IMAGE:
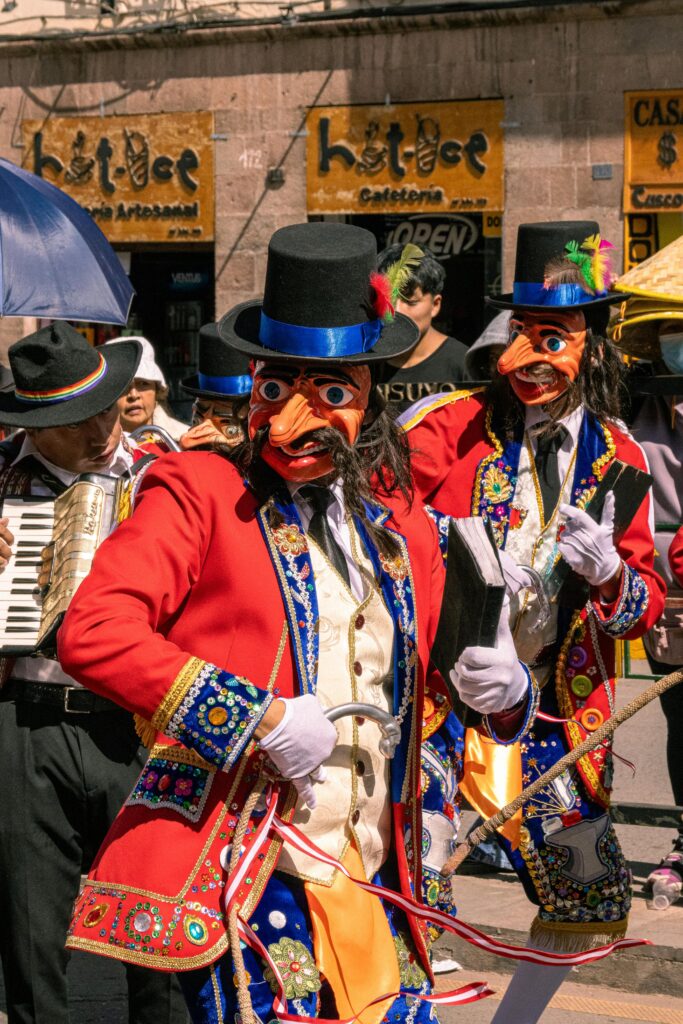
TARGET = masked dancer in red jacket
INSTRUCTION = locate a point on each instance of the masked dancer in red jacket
(527, 454)
(259, 607)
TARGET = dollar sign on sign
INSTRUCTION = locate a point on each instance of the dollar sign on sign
(667, 149)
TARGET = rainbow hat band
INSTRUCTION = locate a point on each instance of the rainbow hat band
(71, 391)
(61, 380)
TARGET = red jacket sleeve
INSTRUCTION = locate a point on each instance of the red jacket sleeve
(676, 557)
(113, 641)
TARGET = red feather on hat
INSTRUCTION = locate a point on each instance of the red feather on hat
(382, 303)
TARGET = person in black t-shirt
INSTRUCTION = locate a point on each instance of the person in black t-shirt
(437, 363)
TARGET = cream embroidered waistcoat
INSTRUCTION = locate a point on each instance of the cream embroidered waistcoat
(356, 664)
(529, 546)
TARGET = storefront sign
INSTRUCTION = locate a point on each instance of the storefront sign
(408, 157)
(142, 177)
(653, 165)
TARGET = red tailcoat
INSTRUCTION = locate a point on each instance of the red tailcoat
(199, 578)
(454, 446)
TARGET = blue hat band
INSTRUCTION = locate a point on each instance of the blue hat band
(238, 385)
(529, 293)
(319, 342)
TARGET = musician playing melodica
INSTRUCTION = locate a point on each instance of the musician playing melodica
(68, 758)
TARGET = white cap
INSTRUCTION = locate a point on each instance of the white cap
(147, 369)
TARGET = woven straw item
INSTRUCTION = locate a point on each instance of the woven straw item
(660, 276)
(656, 288)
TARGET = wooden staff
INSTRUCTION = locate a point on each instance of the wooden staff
(488, 827)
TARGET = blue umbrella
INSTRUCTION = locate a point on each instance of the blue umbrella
(54, 260)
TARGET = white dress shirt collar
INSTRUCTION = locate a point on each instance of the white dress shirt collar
(121, 461)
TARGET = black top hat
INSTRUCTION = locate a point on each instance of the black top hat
(537, 245)
(223, 372)
(60, 379)
(318, 301)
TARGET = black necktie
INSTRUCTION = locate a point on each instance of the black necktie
(320, 499)
(547, 447)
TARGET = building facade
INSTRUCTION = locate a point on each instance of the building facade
(190, 141)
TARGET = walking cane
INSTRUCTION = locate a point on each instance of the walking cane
(491, 825)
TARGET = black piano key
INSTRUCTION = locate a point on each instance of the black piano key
(19, 629)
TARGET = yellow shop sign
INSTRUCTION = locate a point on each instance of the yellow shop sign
(141, 177)
(653, 158)
(417, 157)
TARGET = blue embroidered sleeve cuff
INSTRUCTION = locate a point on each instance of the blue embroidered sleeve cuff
(533, 699)
(216, 714)
(629, 607)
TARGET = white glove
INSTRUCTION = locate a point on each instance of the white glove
(300, 742)
(516, 576)
(490, 679)
(587, 546)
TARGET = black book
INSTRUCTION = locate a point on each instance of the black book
(630, 486)
(472, 599)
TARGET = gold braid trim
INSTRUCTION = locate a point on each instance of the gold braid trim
(495, 454)
(182, 755)
(181, 684)
(609, 454)
(439, 401)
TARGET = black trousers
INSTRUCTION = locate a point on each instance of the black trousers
(63, 778)
(672, 706)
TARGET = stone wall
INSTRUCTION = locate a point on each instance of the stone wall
(561, 71)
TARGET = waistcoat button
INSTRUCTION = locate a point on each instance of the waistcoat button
(360, 768)
(355, 817)
(357, 668)
(360, 621)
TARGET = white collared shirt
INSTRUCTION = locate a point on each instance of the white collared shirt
(45, 670)
(535, 415)
(336, 517)
(122, 460)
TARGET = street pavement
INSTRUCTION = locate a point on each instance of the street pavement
(635, 986)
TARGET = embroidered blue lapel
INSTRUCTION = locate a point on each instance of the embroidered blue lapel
(288, 548)
(496, 482)
(590, 453)
(396, 583)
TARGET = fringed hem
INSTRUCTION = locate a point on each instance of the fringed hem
(574, 938)
(145, 730)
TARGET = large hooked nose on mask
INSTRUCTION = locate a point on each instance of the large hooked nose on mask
(295, 418)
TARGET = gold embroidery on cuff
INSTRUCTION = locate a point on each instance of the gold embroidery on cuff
(181, 684)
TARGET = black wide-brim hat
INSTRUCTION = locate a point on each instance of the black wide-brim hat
(318, 302)
(224, 373)
(60, 379)
(537, 245)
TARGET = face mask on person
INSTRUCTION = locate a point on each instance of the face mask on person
(544, 353)
(672, 352)
(294, 400)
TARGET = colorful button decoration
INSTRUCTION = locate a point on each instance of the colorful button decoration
(592, 719)
(95, 915)
(142, 922)
(581, 686)
(577, 657)
(195, 930)
(217, 716)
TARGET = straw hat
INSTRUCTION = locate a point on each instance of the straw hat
(656, 290)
